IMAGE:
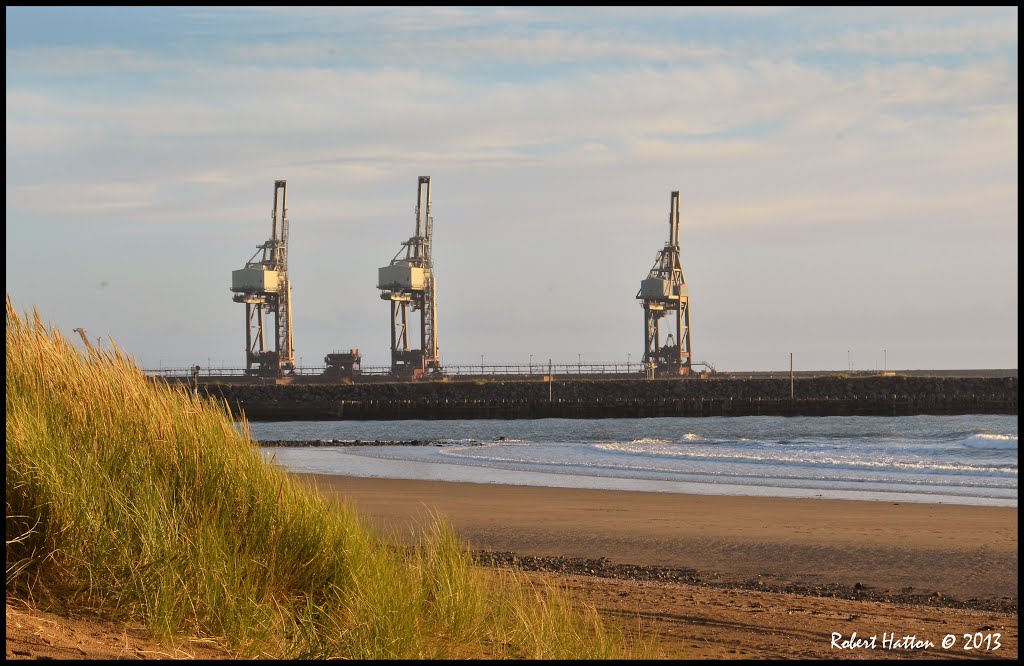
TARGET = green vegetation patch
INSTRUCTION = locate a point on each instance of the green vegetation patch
(145, 502)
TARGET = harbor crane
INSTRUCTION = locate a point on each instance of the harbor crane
(408, 282)
(264, 287)
(663, 292)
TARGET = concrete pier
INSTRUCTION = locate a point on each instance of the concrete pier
(623, 398)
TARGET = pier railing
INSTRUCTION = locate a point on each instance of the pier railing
(482, 370)
(464, 370)
(537, 371)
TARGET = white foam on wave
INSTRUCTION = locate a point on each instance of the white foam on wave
(466, 441)
(647, 443)
(685, 453)
(991, 441)
(646, 440)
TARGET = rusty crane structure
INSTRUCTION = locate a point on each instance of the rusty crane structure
(408, 283)
(264, 287)
(663, 292)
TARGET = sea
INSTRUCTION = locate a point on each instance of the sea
(970, 459)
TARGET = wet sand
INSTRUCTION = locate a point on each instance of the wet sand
(959, 551)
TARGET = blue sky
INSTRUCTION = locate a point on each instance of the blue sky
(848, 176)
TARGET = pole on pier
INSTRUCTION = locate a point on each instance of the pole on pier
(790, 375)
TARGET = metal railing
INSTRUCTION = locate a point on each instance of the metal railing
(567, 370)
(544, 369)
(480, 370)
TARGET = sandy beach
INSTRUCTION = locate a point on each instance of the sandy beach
(728, 577)
(715, 577)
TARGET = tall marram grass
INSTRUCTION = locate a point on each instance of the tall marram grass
(146, 502)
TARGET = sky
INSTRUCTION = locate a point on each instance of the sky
(847, 177)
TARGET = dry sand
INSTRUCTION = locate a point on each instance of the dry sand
(734, 577)
(35, 634)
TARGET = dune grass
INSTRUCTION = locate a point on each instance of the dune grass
(146, 502)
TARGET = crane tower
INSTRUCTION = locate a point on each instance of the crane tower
(408, 282)
(264, 287)
(665, 291)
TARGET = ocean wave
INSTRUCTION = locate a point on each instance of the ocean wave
(468, 441)
(991, 441)
(657, 441)
(651, 440)
(790, 469)
(823, 462)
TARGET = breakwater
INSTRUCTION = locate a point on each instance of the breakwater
(622, 398)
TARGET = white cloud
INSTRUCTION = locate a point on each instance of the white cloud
(361, 124)
(925, 39)
(95, 198)
(78, 61)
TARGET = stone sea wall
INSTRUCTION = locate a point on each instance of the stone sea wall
(623, 398)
